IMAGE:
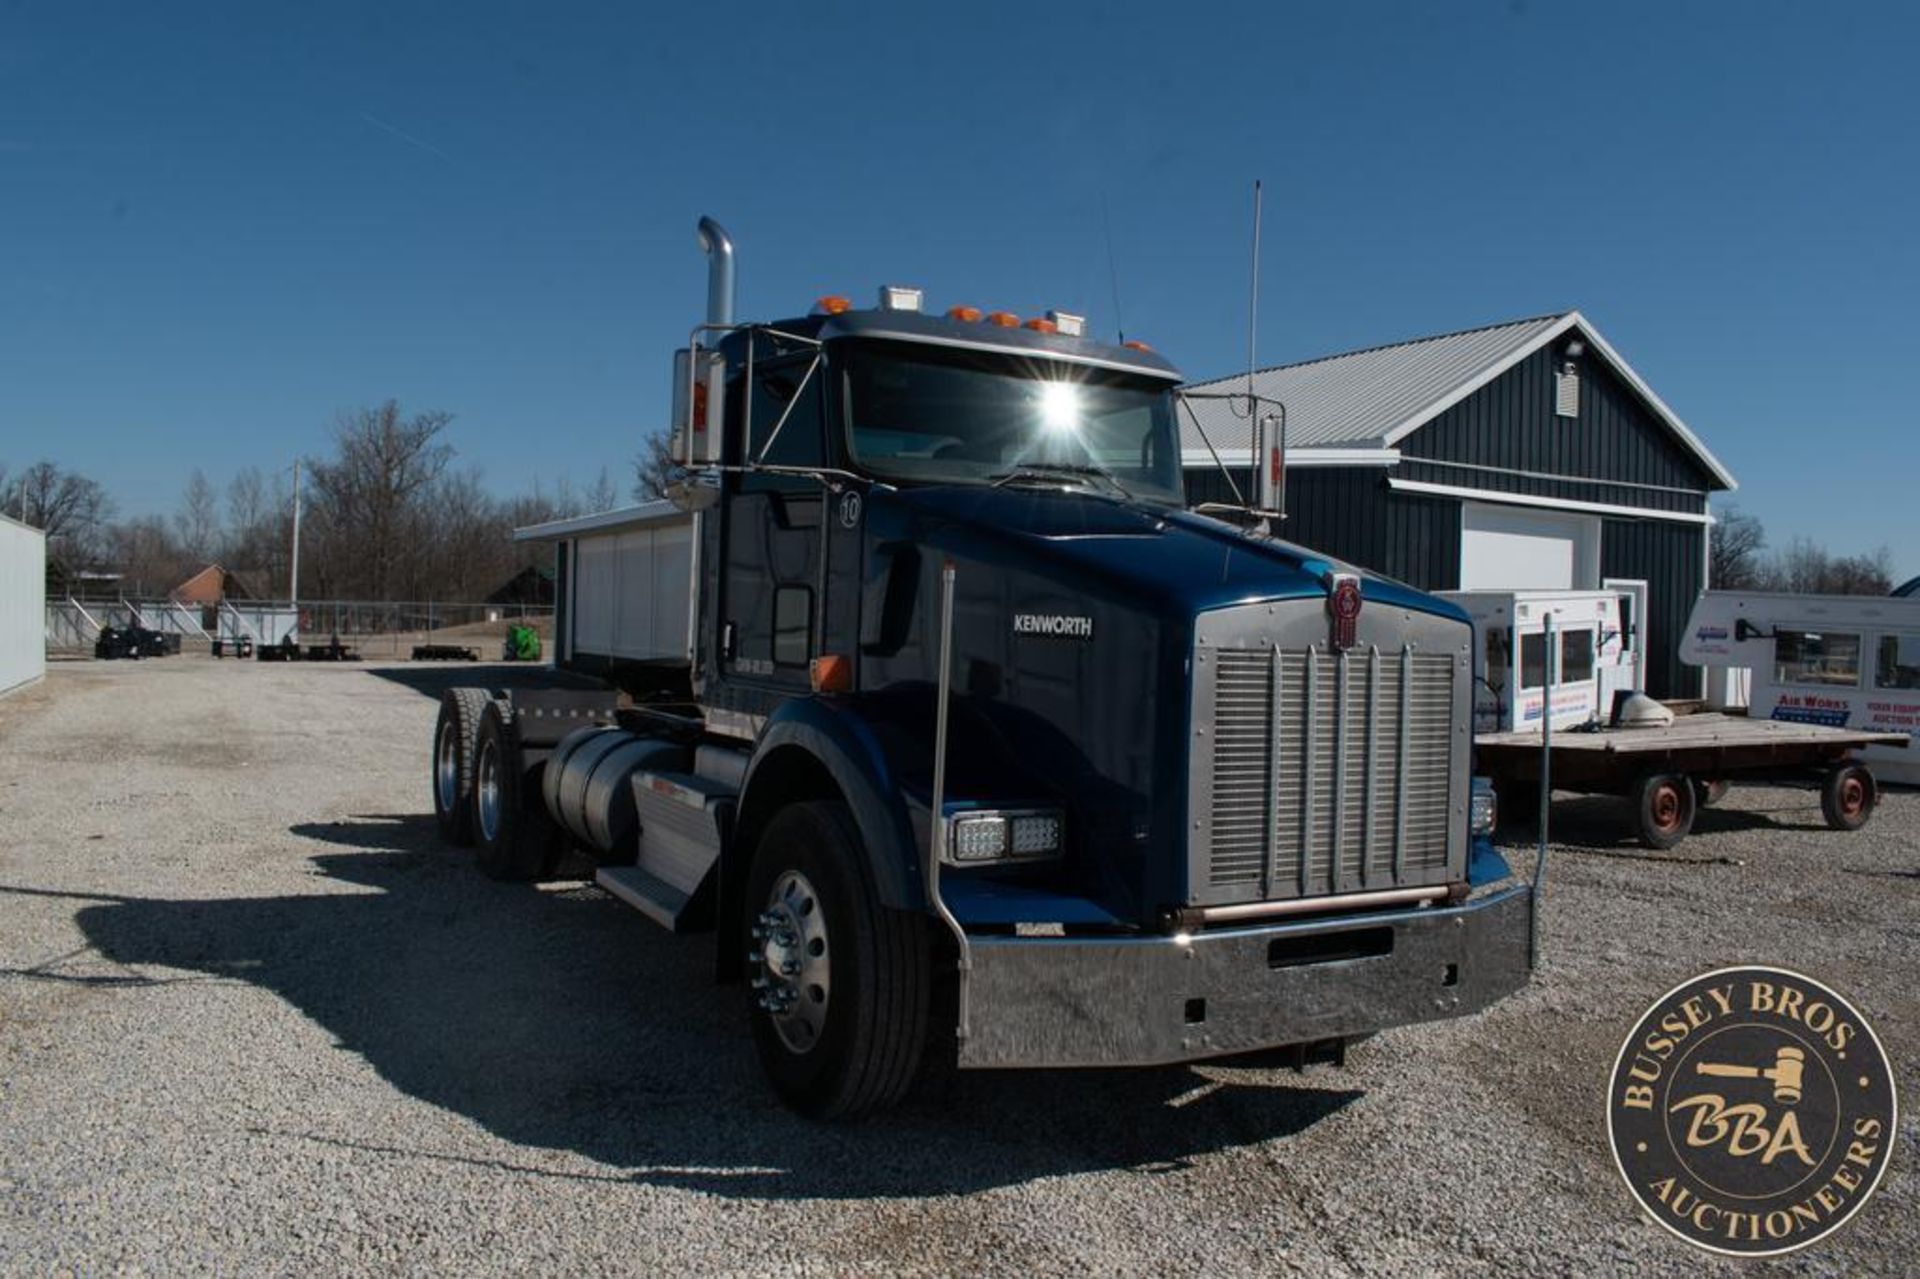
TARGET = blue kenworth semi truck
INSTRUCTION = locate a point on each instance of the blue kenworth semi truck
(970, 742)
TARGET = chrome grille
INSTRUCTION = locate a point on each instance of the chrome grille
(1327, 771)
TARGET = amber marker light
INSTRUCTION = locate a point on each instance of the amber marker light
(1137, 346)
(832, 305)
(831, 674)
(966, 314)
(1004, 319)
(1042, 326)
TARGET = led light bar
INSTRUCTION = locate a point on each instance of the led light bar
(993, 836)
(898, 297)
(1068, 325)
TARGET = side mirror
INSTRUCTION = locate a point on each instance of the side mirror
(699, 407)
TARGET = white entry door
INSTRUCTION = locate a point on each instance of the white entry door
(1509, 548)
(1633, 623)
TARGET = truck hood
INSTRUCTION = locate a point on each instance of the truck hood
(1169, 562)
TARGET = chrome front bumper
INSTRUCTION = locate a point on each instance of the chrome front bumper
(1135, 1001)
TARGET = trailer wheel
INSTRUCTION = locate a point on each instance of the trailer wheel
(1848, 797)
(1708, 793)
(840, 984)
(454, 736)
(514, 838)
(1664, 805)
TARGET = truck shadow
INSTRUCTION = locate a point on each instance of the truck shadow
(556, 1018)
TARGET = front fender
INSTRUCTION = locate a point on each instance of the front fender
(833, 733)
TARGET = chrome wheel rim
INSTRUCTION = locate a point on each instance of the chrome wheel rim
(486, 789)
(795, 979)
(446, 769)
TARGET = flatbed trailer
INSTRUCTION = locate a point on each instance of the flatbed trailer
(1670, 771)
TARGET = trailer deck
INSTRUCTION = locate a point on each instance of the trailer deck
(1670, 770)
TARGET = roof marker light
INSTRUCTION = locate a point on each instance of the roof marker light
(965, 314)
(832, 304)
(1042, 326)
(1068, 324)
(1138, 346)
(1004, 319)
(899, 297)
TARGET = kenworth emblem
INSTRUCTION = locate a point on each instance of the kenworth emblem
(1343, 602)
(1060, 624)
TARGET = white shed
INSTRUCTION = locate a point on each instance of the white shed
(23, 604)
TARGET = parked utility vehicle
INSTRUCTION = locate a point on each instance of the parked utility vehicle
(967, 738)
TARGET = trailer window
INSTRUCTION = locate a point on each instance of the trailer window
(1898, 664)
(1576, 656)
(1533, 660)
(1827, 659)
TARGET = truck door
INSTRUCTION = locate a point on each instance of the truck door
(774, 534)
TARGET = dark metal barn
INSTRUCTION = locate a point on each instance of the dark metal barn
(1526, 455)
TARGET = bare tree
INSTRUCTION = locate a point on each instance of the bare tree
(653, 469)
(70, 508)
(147, 555)
(368, 499)
(602, 497)
(1735, 547)
(198, 519)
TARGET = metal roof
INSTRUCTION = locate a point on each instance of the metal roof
(1372, 399)
(659, 512)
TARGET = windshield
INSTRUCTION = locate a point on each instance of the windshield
(947, 416)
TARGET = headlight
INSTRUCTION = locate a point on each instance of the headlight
(1485, 809)
(991, 836)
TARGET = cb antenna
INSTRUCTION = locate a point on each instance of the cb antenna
(1113, 269)
(1253, 334)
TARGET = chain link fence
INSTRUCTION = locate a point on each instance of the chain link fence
(375, 628)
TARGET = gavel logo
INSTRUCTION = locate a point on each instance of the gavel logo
(1787, 1072)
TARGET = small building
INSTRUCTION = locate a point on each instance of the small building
(23, 604)
(210, 586)
(531, 587)
(1518, 456)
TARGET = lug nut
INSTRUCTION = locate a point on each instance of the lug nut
(789, 967)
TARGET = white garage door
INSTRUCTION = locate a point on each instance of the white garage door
(1505, 548)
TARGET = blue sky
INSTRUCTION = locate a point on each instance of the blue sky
(220, 225)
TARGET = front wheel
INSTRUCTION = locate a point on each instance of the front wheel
(839, 984)
(1848, 796)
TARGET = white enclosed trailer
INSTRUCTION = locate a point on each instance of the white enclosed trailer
(23, 603)
(1840, 661)
(623, 587)
(1593, 656)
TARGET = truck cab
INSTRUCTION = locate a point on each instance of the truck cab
(984, 745)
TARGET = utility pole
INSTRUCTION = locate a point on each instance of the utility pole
(293, 587)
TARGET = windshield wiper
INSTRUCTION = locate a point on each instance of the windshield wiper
(1055, 470)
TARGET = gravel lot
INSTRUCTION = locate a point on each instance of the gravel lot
(254, 1018)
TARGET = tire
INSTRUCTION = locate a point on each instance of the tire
(514, 839)
(1848, 797)
(454, 735)
(851, 1035)
(1708, 793)
(1663, 805)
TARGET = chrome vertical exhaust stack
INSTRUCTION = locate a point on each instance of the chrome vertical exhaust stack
(719, 249)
